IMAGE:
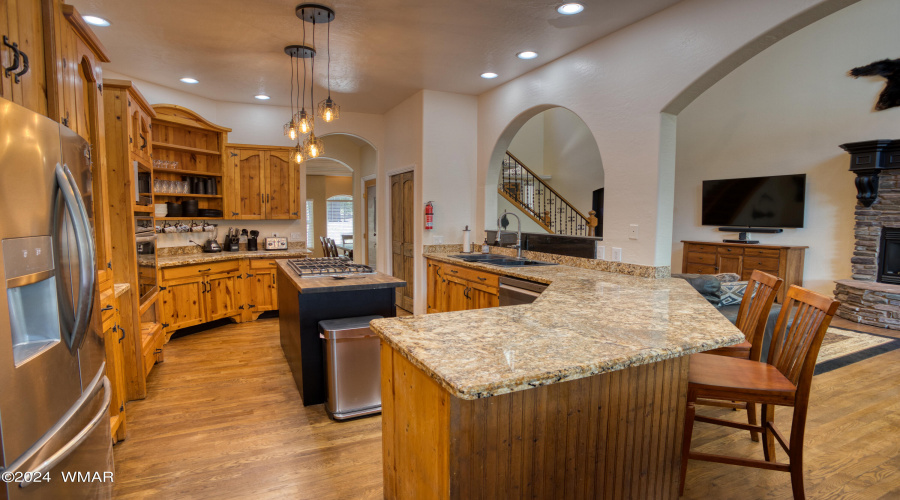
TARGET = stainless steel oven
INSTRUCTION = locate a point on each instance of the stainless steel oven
(145, 242)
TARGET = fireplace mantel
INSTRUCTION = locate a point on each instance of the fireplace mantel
(867, 159)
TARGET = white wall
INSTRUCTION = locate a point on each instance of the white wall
(786, 111)
(571, 158)
(619, 85)
(528, 144)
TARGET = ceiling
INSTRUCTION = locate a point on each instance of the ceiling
(384, 51)
(327, 167)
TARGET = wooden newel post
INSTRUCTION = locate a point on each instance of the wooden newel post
(592, 221)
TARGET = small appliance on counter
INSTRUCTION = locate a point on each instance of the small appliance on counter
(276, 243)
(212, 244)
(252, 240)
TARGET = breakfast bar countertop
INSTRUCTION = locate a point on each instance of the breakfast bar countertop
(585, 323)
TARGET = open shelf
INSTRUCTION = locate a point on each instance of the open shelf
(185, 149)
(185, 172)
(143, 167)
(185, 195)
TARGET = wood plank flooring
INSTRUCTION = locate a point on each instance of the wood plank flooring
(223, 419)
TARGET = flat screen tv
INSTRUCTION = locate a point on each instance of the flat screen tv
(765, 202)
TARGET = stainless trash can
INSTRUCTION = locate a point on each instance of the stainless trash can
(352, 366)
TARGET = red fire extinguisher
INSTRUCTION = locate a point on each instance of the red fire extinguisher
(429, 215)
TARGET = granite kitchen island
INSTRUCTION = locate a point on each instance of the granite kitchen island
(304, 301)
(579, 394)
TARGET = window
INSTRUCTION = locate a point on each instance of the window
(310, 232)
(339, 211)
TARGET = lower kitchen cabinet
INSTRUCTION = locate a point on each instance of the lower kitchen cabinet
(456, 288)
(240, 289)
(115, 372)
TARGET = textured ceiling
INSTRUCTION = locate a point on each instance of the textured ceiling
(383, 51)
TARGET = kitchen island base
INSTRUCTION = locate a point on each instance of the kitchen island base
(613, 435)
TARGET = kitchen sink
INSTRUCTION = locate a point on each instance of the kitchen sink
(501, 260)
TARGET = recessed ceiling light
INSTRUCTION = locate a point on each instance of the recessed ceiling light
(190, 80)
(489, 75)
(95, 21)
(528, 54)
(262, 97)
(567, 9)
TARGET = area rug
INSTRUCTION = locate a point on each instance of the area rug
(842, 347)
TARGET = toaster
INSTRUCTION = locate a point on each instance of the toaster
(276, 243)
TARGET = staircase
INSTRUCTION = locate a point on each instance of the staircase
(524, 189)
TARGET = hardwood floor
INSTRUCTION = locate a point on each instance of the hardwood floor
(223, 419)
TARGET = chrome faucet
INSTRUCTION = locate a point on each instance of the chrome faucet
(500, 230)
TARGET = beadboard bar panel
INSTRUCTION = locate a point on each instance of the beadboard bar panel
(613, 435)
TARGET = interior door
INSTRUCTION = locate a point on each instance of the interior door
(250, 184)
(369, 235)
(278, 185)
(402, 217)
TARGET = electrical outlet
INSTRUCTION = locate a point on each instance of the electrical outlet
(633, 235)
(296, 236)
(438, 239)
(617, 254)
(601, 251)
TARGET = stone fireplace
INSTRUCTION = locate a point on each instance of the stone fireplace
(872, 296)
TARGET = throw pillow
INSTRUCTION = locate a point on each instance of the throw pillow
(732, 293)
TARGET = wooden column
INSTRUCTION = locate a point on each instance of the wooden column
(614, 435)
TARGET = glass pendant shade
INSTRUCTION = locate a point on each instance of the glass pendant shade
(304, 123)
(290, 130)
(297, 154)
(329, 111)
(313, 146)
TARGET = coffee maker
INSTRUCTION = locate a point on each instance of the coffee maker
(252, 240)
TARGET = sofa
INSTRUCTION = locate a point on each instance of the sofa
(710, 287)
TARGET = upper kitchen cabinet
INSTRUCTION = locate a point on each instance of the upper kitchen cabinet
(188, 158)
(23, 76)
(262, 183)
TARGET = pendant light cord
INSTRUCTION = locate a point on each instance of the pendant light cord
(329, 60)
(304, 64)
(312, 76)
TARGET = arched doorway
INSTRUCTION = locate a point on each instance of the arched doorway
(547, 170)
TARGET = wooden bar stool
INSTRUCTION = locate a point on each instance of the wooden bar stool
(784, 380)
(753, 315)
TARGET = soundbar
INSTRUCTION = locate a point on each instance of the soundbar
(744, 233)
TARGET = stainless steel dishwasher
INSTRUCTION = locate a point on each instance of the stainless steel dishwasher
(353, 367)
(515, 291)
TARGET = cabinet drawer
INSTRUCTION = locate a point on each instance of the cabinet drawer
(731, 250)
(226, 266)
(702, 258)
(108, 307)
(768, 264)
(693, 247)
(762, 252)
(263, 263)
(472, 275)
(700, 269)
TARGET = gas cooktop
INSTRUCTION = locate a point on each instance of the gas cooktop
(327, 266)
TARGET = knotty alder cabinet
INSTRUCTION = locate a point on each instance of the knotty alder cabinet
(263, 182)
(786, 262)
(241, 289)
(456, 288)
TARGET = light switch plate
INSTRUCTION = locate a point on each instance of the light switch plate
(617, 254)
(296, 236)
(601, 251)
(438, 239)
(633, 234)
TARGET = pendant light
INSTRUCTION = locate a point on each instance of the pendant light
(297, 154)
(328, 110)
(313, 146)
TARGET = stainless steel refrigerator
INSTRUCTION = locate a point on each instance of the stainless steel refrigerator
(54, 395)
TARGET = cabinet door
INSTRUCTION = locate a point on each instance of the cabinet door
(250, 184)
(480, 297)
(729, 264)
(223, 295)
(436, 292)
(278, 185)
(115, 371)
(182, 303)
(263, 292)
(456, 295)
(21, 22)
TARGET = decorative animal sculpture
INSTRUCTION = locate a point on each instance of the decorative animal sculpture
(890, 70)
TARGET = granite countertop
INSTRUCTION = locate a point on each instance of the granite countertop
(199, 258)
(330, 284)
(585, 323)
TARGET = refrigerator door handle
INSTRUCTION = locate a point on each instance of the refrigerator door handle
(99, 381)
(84, 244)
